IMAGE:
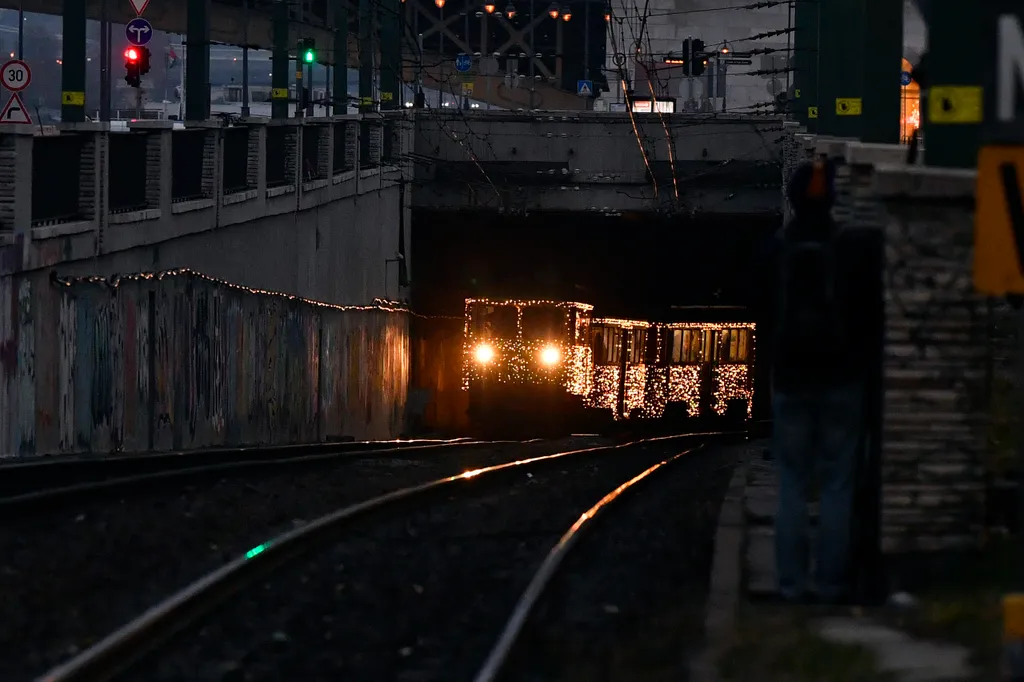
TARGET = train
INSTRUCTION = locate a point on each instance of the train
(557, 360)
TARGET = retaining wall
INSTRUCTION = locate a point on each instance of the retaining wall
(180, 360)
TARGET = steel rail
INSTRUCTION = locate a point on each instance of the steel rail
(124, 647)
(70, 493)
(499, 655)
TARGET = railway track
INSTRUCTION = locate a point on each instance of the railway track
(79, 565)
(45, 483)
(512, 512)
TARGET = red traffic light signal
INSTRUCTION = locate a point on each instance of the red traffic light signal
(131, 54)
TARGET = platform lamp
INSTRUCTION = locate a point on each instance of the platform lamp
(510, 11)
(566, 15)
(439, 4)
(553, 11)
(490, 7)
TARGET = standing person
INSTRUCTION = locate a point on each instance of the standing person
(817, 397)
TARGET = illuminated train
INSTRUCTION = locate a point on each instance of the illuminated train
(554, 358)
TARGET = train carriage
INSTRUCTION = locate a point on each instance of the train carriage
(691, 368)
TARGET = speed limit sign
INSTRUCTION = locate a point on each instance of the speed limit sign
(16, 75)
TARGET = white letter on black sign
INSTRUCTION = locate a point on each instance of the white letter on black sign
(1010, 64)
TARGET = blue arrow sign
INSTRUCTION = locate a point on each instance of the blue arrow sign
(463, 63)
(905, 78)
(138, 31)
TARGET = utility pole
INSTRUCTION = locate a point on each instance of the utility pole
(951, 101)
(882, 48)
(806, 39)
(104, 60)
(245, 65)
(840, 94)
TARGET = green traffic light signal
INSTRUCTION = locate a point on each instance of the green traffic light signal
(309, 56)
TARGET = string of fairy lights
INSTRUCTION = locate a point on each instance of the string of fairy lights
(568, 357)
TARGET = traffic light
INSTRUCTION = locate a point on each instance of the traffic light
(144, 55)
(132, 57)
(700, 60)
(307, 50)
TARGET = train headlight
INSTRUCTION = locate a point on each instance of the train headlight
(484, 353)
(550, 356)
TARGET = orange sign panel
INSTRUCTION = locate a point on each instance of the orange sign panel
(999, 221)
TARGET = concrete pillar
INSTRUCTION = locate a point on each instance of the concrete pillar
(340, 57)
(72, 70)
(882, 47)
(805, 56)
(367, 50)
(841, 67)
(953, 95)
(197, 61)
(390, 56)
(279, 62)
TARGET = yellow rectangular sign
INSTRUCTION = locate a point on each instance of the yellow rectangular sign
(999, 221)
(75, 99)
(796, 93)
(952, 104)
(812, 112)
(849, 106)
(279, 93)
(366, 101)
(386, 96)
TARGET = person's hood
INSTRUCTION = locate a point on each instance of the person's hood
(811, 188)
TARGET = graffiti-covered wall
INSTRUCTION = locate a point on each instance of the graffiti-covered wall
(179, 360)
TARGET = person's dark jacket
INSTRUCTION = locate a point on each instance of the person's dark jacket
(858, 282)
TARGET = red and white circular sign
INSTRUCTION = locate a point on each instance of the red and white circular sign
(16, 75)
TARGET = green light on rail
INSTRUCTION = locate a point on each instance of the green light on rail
(309, 56)
(258, 549)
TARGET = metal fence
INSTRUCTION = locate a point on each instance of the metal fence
(179, 360)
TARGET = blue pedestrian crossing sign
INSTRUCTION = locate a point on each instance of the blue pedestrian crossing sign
(585, 88)
(463, 63)
(905, 78)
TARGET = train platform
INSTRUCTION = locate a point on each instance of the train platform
(751, 634)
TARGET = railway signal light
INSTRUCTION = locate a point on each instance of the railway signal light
(307, 50)
(699, 59)
(131, 65)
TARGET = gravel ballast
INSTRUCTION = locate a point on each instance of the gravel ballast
(418, 597)
(629, 602)
(72, 576)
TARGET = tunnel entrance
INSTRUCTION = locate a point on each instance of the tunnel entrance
(635, 266)
(632, 265)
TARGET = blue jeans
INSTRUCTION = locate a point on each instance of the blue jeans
(816, 429)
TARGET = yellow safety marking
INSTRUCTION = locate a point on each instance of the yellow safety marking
(849, 106)
(279, 93)
(812, 112)
(955, 104)
(796, 93)
(75, 99)
(1013, 616)
(366, 101)
(999, 226)
(298, 75)
(386, 96)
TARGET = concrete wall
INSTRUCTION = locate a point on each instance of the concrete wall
(590, 161)
(183, 361)
(326, 238)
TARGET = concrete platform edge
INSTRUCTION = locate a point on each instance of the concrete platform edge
(726, 578)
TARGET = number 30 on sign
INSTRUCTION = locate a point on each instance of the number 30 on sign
(16, 75)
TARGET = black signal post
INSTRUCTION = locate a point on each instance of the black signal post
(132, 64)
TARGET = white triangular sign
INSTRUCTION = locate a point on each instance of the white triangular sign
(15, 111)
(139, 6)
(584, 89)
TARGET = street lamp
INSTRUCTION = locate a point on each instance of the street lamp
(567, 16)
(439, 3)
(489, 8)
(510, 11)
(553, 11)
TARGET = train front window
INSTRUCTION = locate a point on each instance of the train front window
(543, 323)
(495, 321)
